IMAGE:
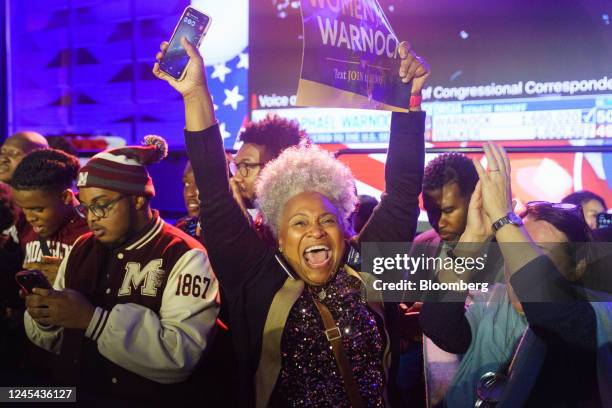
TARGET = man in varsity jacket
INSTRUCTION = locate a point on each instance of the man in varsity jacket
(135, 302)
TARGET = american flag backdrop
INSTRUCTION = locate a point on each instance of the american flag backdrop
(227, 82)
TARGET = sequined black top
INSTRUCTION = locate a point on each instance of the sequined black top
(309, 373)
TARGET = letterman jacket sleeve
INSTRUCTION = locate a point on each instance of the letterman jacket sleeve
(47, 337)
(164, 348)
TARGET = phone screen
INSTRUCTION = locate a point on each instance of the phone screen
(604, 220)
(31, 279)
(193, 26)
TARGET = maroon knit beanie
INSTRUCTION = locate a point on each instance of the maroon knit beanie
(123, 169)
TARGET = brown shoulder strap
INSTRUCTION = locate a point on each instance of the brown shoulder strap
(334, 336)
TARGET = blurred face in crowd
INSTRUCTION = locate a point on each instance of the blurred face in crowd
(190, 192)
(447, 210)
(46, 211)
(11, 154)
(312, 237)
(590, 209)
(114, 222)
(15, 148)
(250, 159)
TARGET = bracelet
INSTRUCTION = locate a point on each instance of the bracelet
(415, 101)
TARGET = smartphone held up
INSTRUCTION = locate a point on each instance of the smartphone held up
(193, 25)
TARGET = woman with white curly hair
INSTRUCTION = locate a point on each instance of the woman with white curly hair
(303, 332)
(302, 177)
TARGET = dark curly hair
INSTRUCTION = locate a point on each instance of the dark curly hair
(451, 167)
(46, 169)
(275, 134)
(7, 208)
(63, 144)
(581, 197)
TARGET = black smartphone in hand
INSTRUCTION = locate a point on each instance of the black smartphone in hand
(31, 279)
(193, 25)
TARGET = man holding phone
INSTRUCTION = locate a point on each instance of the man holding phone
(135, 302)
(42, 188)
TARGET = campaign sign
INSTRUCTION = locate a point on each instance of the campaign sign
(350, 57)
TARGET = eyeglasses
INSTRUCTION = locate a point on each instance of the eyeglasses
(99, 210)
(243, 168)
(559, 206)
(534, 206)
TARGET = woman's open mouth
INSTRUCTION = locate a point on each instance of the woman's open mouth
(317, 256)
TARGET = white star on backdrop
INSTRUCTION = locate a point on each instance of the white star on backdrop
(220, 71)
(224, 133)
(232, 97)
(244, 61)
(228, 88)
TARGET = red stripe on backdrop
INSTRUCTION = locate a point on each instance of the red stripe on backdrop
(365, 169)
(534, 177)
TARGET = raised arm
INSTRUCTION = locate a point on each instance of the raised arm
(395, 218)
(233, 246)
(559, 311)
(497, 203)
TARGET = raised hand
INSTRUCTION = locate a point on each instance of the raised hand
(478, 227)
(495, 183)
(199, 111)
(412, 67)
(194, 80)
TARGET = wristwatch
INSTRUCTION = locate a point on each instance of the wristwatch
(510, 218)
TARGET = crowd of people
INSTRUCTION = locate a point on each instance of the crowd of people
(256, 297)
